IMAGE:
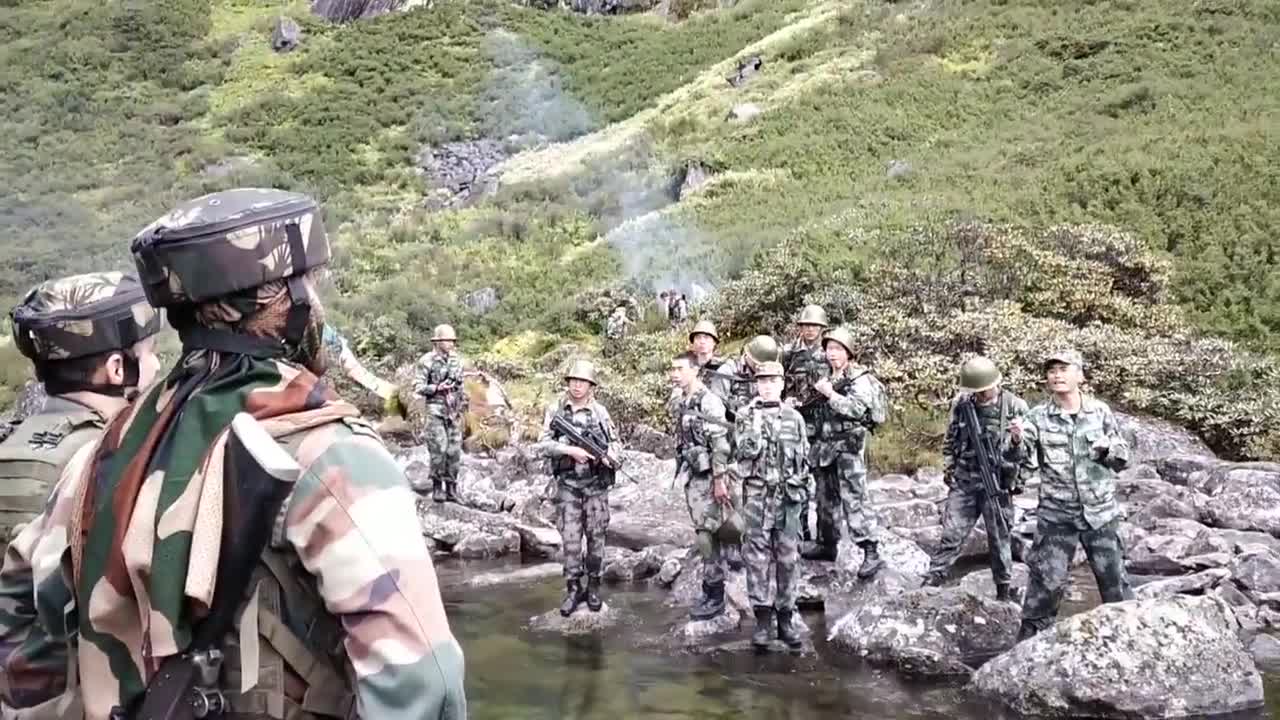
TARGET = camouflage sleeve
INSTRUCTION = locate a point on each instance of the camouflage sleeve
(422, 377)
(1118, 454)
(949, 441)
(856, 403)
(351, 520)
(1014, 452)
(547, 444)
(717, 434)
(746, 438)
(1029, 453)
(26, 680)
(611, 435)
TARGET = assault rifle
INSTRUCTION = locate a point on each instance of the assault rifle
(257, 477)
(986, 452)
(599, 451)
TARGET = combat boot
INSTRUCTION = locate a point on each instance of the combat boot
(819, 551)
(787, 630)
(871, 560)
(711, 603)
(1005, 593)
(451, 492)
(733, 557)
(437, 490)
(594, 601)
(764, 627)
(573, 597)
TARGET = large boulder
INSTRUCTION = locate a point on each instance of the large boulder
(909, 514)
(1156, 658)
(931, 631)
(648, 512)
(980, 583)
(1153, 439)
(286, 35)
(836, 588)
(1195, 584)
(1244, 496)
(348, 10)
(1178, 469)
(1257, 570)
(1171, 541)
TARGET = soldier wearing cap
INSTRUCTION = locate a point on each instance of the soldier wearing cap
(853, 405)
(582, 484)
(438, 378)
(999, 413)
(804, 362)
(772, 454)
(1073, 441)
(91, 339)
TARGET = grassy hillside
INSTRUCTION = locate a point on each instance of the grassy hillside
(1154, 117)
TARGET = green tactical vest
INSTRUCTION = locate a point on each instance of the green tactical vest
(32, 458)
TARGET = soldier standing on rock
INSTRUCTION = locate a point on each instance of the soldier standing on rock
(438, 378)
(1075, 443)
(999, 412)
(772, 451)
(854, 405)
(702, 459)
(582, 484)
(804, 361)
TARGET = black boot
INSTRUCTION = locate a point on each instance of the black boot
(819, 551)
(733, 557)
(935, 578)
(594, 601)
(573, 597)
(437, 490)
(764, 627)
(871, 561)
(787, 631)
(451, 492)
(1005, 593)
(711, 603)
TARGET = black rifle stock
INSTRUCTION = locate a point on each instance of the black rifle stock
(598, 451)
(257, 477)
(986, 453)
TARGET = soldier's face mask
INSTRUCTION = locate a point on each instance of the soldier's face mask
(769, 388)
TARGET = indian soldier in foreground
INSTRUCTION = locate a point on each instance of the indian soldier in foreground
(999, 414)
(702, 459)
(804, 362)
(772, 451)
(438, 378)
(343, 616)
(91, 339)
(853, 405)
(339, 350)
(1074, 442)
(582, 483)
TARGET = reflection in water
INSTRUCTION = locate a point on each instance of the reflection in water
(630, 673)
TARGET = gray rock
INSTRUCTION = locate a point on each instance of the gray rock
(519, 576)
(486, 545)
(1158, 653)
(649, 513)
(1257, 570)
(1206, 561)
(449, 523)
(1178, 468)
(462, 171)
(979, 582)
(348, 10)
(934, 492)
(744, 112)
(1265, 650)
(702, 632)
(582, 622)
(747, 68)
(1237, 539)
(228, 166)
(1195, 584)
(670, 571)
(538, 541)
(909, 514)
(643, 438)
(622, 565)
(898, 169)
(1165, 506)
(482, 301)
(1153, 439)
(695, 175)
(287, 35)
(887, 489)
(1245, 496)
(931, 631)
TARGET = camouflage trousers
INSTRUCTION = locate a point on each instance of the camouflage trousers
(443, 438)
(1050, 566)
(772, 547)
(959, 515)
(707, 516)
(842, 500)
(582, 518)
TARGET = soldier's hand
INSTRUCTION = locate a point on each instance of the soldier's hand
(1101, 447)
(720, 491)
(823, 386)
(1015, 430)
(578, 454)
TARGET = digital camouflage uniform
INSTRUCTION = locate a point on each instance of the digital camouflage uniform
(582, 489)
(438, 378)
(772, 453)
(1077, 504)
(966, 499)
(839, 454)
(802, 364)
(703, 450)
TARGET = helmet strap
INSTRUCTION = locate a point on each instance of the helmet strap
(299, 299)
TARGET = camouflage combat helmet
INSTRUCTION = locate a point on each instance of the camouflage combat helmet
(839, 335)
(444, 331)
(704, 327)
(83, 315)
(763, 348)
(769, 368)
(581, 370)
(978, 373)
(813, 315)
(225, 242)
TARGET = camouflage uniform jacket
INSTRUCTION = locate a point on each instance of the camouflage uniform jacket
(702, 433)
(616, 327)
(802, 363)
(434, 370)
(1074, 482)
(742, 386)
(857, 406)
(772, 445)
(592, 420)
(348, 521)
(716, 374)
(959, 457)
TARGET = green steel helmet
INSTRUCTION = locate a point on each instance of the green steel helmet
(226, 242)
(978, 373)
(444, 331)
(813, 315)
(769, 368)
(839, 335)
(763, 348)
(704, 327)
(581, 370)
(83, 315)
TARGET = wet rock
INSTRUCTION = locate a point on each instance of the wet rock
(1154, 666)
(538, 541)
(582, 622)
(622, 565)
(744, 112)
(287, 35)
(694, 176)
(931, 631)
(482, 544)
(480, 301)
(1245, 496)
(836, 590)
(519, 576)
(461, 171)
(1265, 650)
(898, 169)
(702, 632)
(1195, 584)
(670, 571)
(747, 68)
(909, 514)
(1257, 570)
(979, 582)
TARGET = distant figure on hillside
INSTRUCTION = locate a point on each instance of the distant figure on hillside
(615, 330)
(678, 310)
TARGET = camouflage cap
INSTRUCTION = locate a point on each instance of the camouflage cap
(769, 368)
(225, 242)
(83, 315)
(1064, 355)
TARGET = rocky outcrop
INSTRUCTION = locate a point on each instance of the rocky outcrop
(744, 112)
(461, 171)
(481, 301)
(748, 67)
(349, 10)
(595, 7)
(931, 631)
(1244, 496)
(694, 175)
(649, 513)
(1153, 439)
(582, 622)
(286, 35)
(1155, 658)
